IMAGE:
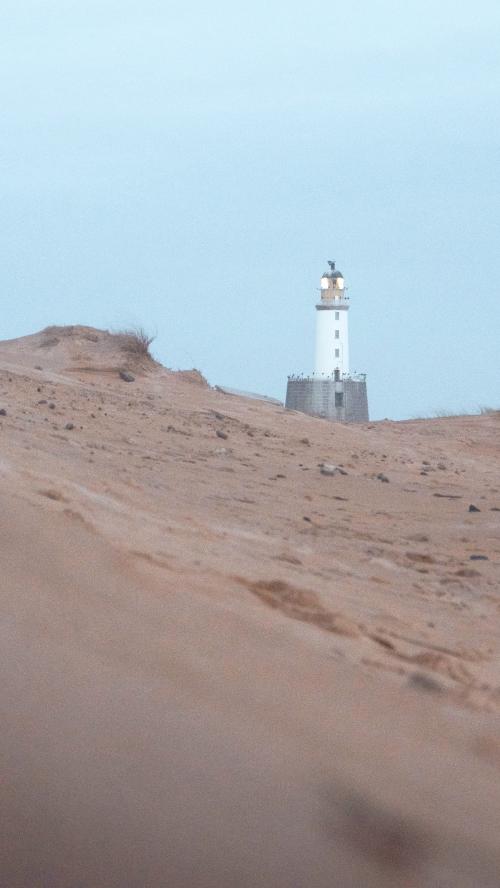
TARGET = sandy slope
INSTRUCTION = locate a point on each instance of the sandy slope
(222, 668)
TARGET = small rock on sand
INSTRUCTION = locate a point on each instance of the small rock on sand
(126, 376)
(424, 683)
(328, 469)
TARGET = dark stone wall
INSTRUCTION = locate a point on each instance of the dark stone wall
(342, 401)
(356, 400)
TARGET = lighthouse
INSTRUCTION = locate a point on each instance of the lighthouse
(332, 392)
(332, 329)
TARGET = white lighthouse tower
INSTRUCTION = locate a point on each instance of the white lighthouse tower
(332, 328)
(332, 391)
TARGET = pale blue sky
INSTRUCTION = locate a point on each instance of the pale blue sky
(191, 167)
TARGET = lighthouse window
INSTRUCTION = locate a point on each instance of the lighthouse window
(339, 399)
(337, 353)
(337, 316)
(337, 334)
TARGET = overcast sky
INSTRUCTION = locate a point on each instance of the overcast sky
(191, 167)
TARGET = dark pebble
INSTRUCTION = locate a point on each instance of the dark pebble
(478, 558)
(126, 376)
(221, 434)
(474, 508)
(3, 412)
(424, 683)
(69, 426)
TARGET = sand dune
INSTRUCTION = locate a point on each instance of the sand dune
(221, 667)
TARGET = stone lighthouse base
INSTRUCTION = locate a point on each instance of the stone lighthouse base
(338, 400)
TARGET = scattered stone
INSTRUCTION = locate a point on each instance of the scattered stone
(307, 519)
(424, 683)
(420, 557)
(221, 434)
(495, 509)
(327, 469)
(291, 559)
(126, 376)
(3, 412)
(448, 495)
(52, 494)
(467, 572)
(425, 462)
(281, 476)
(37, 367)
(43, 401)
(39, 388)
(474, 508)
(69, 426)
(382, 477)
(305, 441)
(52, 406)
(385, 642)
(442, 466)
(219, 416)
(478, 558)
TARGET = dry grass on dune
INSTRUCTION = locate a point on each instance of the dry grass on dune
(135, 341)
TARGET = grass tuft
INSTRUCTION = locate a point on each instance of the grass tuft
(135, 341)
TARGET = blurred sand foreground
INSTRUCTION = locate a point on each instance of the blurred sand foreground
(222, 668)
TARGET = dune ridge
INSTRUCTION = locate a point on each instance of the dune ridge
(224, 667)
